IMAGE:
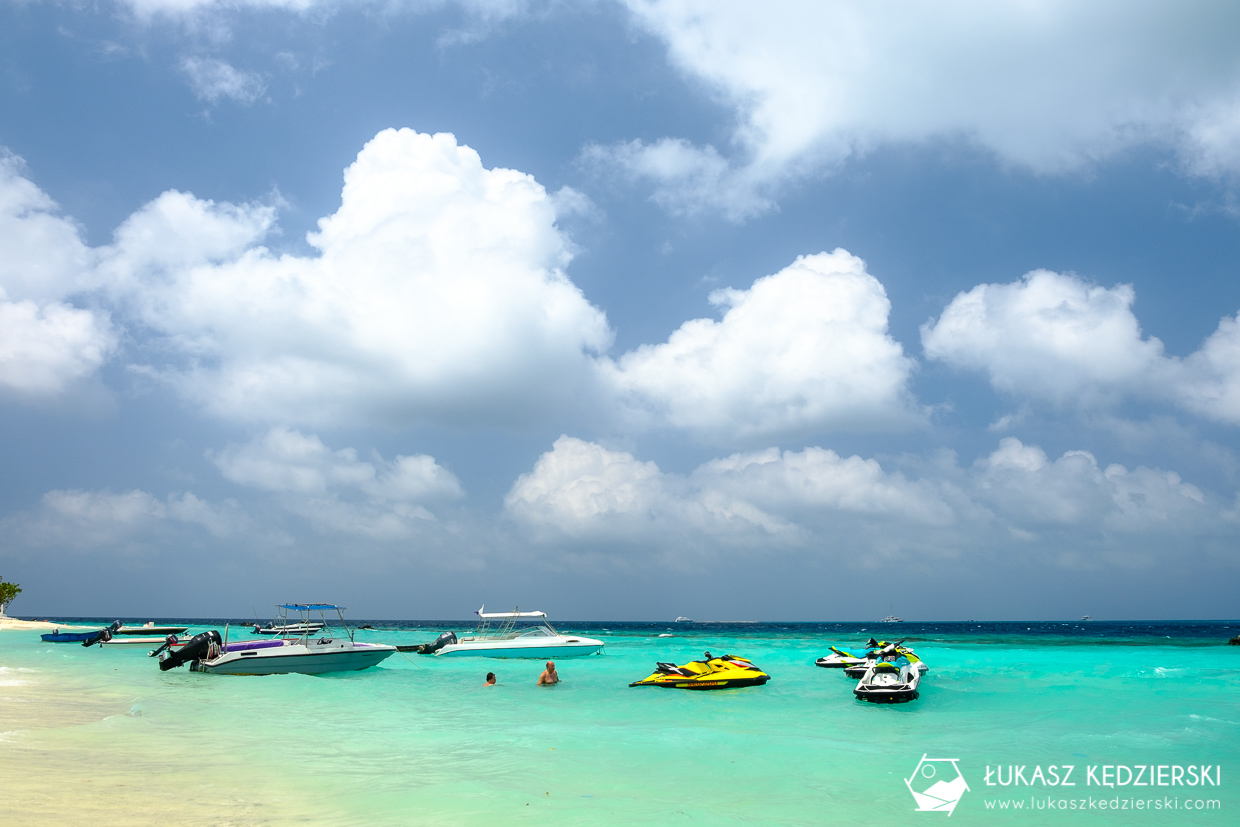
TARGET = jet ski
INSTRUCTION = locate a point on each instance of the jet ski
(840, 658)
(727, 672)
(885, 682)
(889, 652)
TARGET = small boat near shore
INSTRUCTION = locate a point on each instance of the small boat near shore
(84, 638)
(304, 654)
(150, 629)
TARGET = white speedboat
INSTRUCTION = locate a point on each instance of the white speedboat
(328, 651)
(518, 635)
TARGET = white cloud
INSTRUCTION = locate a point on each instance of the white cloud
(212, 79)
(334, 490)
(1020, 482)
(285, 460)
(579, 483)
(43, 350)
(1049, 336)
(1057, 338)
(1050, 85)
(585, 490)
(439, 293)
(1069, 511)
(1210, 381)
(46, 344)
(804, 348)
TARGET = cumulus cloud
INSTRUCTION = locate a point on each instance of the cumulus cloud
(438, 292)
(335, 490)
(1070, 511)
(1209, 383)
(46, 344)
(804, 348)
(213, 79)
(1051, 86)
(43, 350)
(587, 491)
(1048, 335)
(1057, 338)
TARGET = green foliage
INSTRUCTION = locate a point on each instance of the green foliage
(8, 591)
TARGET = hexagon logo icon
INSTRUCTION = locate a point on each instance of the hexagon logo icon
(937, 784)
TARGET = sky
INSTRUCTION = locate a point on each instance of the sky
(620, 309)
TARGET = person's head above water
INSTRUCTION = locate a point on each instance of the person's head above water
(490, 678)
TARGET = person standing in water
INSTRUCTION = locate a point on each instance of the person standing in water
(549, 676)
(490, 679)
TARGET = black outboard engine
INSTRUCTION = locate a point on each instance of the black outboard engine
(443, 640)
(196, 648)
(104, 635)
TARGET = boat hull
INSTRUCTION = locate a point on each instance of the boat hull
(890, 696)
(549, 652)
(303, 661)
(68, 637)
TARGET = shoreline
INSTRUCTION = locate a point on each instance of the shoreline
(13, 624)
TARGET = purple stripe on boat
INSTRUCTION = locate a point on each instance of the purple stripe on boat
(256, 644)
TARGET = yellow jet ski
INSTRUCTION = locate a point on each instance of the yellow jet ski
(727, 672)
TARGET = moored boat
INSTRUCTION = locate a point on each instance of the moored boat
(149, 629)
(536, 639)
(207, 652)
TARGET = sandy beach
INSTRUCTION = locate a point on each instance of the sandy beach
(13, 624)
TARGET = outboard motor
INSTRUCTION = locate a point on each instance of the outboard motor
(195, 648)
(446, 639)
(104, 635)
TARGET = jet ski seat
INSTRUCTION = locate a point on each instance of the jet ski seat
(673, 669)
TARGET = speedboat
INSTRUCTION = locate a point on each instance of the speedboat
(683, 619)
(727, 672)
(304, 654)
(885, 682)
(506, 639)
(839, 659)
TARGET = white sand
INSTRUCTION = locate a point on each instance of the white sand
(11, 623)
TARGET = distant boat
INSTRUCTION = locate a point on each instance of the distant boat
(1086, 617)
(296, 629)
(149, 628)
(683, 619)
(892, 619)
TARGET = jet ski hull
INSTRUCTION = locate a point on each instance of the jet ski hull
(726, 672)
(690, 683)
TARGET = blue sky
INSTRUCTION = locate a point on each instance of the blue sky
(620, 310)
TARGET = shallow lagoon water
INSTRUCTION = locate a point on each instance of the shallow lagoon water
(101, 734)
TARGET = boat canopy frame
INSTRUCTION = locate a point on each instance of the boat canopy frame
(508, 622)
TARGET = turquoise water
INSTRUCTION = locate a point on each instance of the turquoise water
(420, 740)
